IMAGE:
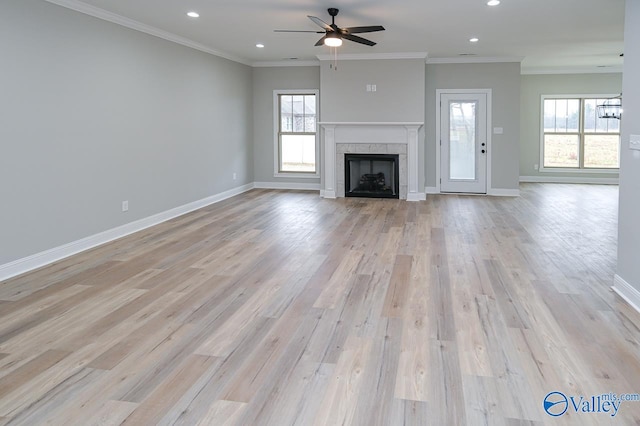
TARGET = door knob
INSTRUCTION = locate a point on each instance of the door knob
(483, 151)
(482, 143)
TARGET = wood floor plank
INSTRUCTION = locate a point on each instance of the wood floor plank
(29, 370)
(398, 287)
(339, 281)
(339, 403)
(412, 379)
(223, 413)
(112, 413)
(283, 308)
(152, 409)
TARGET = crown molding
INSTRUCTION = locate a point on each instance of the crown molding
(285, 63)
(615, 69)
(105, 15)
(474, 59)
(366, 56)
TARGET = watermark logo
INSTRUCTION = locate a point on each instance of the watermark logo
(555, 404)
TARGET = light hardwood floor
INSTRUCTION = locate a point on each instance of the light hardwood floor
(282, 308)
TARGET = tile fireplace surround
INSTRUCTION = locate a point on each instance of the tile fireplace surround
(371, 138)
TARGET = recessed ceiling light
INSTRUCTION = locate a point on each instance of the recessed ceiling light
(474, 39)
(259, 45)
(193, 14)
(493, 2)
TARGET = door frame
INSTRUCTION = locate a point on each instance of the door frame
(439, 93)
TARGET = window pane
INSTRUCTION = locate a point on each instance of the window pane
(309, 123)
(298, 153)
(561, 115)
(310, 113)
(590, 115)
(573, 115)
(602, 124)
(298, 113)
(602, 151)
(614, 125)
(310, 105)
(462, 140)
(561, 151)
(286, 113)
(549, 115)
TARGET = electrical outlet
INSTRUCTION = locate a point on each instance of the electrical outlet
(125, 206)
(535, 167)
(634, 142)
(234, 176)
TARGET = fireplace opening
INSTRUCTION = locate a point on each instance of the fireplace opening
(371, 175)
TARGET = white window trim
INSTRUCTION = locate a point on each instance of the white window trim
(276, 139)
(541, 167)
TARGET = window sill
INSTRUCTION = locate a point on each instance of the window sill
(580, 171)
(297, 175)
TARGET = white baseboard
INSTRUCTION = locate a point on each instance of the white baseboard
(55, 254)
(288, 185)
(569, 179)
(501, 192)
(496, 192)
(329, 194)
(417, 196)
(625, 290)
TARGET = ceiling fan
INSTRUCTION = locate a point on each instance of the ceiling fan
(333, 34)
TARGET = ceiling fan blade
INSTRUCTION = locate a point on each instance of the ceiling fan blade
(358, 39)
(320, 42)
(319, 22)
(298, 31)
(369, 29)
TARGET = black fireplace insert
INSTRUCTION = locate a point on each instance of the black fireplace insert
(371, 175)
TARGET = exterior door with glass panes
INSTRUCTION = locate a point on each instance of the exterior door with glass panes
(463, 150)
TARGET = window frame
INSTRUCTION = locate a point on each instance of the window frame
(277, 133)
(581, 133)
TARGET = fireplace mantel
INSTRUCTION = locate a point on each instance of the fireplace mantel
(371, 133)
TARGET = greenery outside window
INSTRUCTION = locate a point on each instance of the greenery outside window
(573, 136)
(296, 138)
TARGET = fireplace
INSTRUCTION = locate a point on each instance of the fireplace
(339, 138)
(371, 175)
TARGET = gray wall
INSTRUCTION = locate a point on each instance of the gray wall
(533, 87)
(94, 114)
(629, 225)
(504, 80)
(265, 81)
(399, 95)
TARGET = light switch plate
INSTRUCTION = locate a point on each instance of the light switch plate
(498, 130)
(634, 142)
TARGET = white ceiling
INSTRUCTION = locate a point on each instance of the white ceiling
(548, 34)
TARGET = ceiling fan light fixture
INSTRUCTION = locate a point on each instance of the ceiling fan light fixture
(332, 40)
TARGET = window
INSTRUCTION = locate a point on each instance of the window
(296, 114)
(575, 138)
